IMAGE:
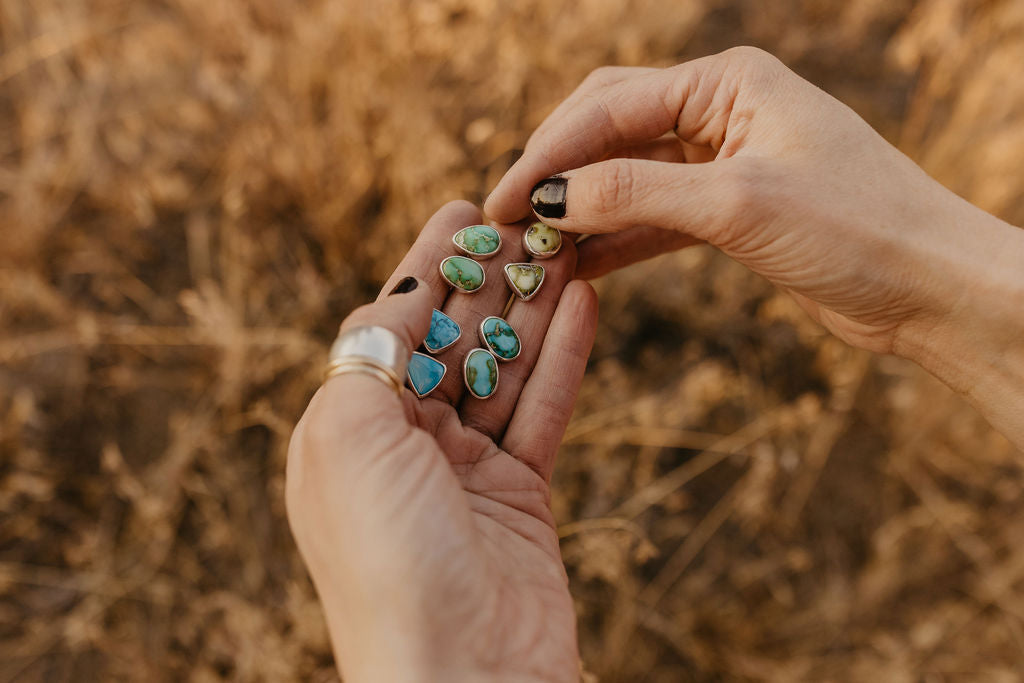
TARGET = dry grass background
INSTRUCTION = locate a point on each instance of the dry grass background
(186, 189)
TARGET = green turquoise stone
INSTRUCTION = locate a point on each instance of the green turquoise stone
(478, 240)
(481, 373)
(424, 373)
(463, 273)
(443, 332)
(524, 279)
(500, 337)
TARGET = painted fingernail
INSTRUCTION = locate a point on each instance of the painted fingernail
(548, 197)
(406, 285)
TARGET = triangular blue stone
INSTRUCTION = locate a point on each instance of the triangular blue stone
(424, 373)
(443, 332)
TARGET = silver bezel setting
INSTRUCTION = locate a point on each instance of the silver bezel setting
(465, 376)
(515, 290)
(449, 344)
(472, 254)
(541, 254)
(483, 277)
(412, 385)
(487, 347)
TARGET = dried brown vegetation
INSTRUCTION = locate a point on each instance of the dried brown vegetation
(186, 192)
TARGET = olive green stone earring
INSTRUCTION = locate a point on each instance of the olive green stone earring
(462, 273)
(524, 279)
(541, 240)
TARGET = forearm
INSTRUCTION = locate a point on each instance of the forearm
(978, 347)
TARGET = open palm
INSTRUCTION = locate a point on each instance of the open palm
(425, 523)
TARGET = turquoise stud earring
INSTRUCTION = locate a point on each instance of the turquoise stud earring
(424, 373)
(480, 372)
(443, 332)
(462, 273)
(478, 241)
(498, 336)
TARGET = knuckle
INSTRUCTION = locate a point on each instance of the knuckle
(614, 187)
(746, 187)
(371, 315)
(600, 76)
(359, 316)
(752, 56)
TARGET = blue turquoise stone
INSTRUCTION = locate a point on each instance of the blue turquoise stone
(500, 337)
(424, 373)
(478, 240)
(481, 373)
(443, 332)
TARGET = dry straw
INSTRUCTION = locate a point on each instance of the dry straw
(186, 193)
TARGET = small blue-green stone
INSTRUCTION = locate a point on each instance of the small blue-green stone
(481, 373)
(480, 240)
(424, 373)
(500, 336)
(443, 332)
(463, 273)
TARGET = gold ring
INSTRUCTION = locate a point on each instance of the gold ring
(369, 350)
(364, 367)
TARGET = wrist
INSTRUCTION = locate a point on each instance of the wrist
(976, 346)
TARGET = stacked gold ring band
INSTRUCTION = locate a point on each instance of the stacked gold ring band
(342, 367)
(369, 350)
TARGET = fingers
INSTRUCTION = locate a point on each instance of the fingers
(602, 254)
(697, 101)
(469, 310)
(545, 405)
(625, 113)
(667, 148)
(431, 247)
(598, 79)
(530, 319)
(362, 402)
(706, 201)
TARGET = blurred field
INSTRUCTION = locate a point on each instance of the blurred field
(185, 189)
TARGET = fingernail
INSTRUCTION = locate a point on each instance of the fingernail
(548, 197)
(406, 285)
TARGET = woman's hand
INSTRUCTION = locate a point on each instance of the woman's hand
(425, 523)
(738, 151)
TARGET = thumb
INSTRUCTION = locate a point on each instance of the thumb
(356, 441)
(708, 201)
(356, 403)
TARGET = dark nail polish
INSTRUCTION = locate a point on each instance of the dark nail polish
(548, 197)
(406, 285)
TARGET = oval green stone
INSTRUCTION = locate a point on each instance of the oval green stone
(481, 372)
(500, 337)
(481, 240)
(463, 273)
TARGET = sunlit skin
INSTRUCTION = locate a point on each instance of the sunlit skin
(738, 151)
(425, 524)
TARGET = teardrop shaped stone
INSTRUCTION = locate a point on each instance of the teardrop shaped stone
(424, 373)
(443, 332)
(478, 241)
(524, 278)
(541, 240)
(500, 337)
(481, 373)
(462, 273)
